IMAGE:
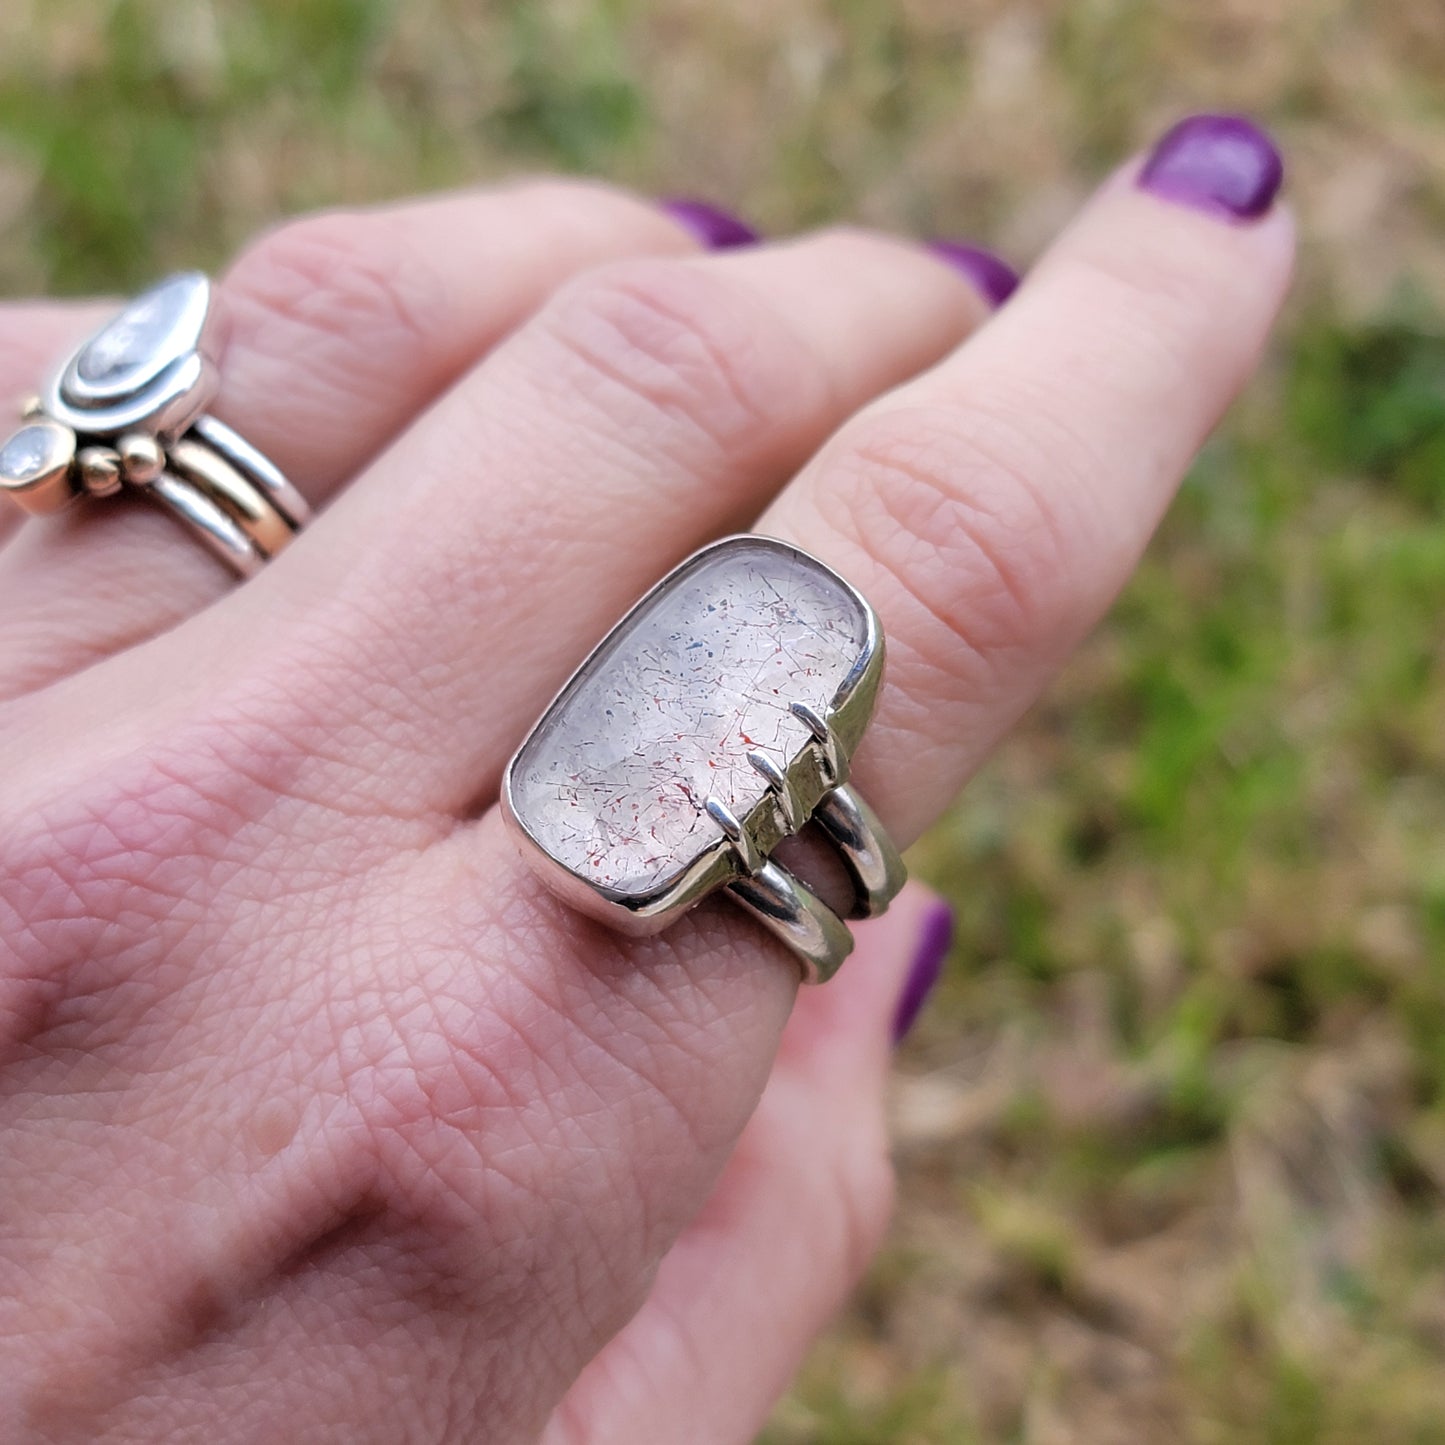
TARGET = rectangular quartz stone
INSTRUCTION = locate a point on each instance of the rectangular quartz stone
(614, 780)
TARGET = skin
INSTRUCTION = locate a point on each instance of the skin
(319, 1118)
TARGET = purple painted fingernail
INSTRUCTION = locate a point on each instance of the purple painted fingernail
(1223, 164)
(718, 230)
(989, 274)
(935, 938)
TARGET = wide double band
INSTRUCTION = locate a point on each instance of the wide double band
(715, 721)
(127, 412)
(788, 908)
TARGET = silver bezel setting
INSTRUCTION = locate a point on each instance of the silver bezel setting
(163, 392)
(817, 769)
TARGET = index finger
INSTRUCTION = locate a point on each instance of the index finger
(992, 509)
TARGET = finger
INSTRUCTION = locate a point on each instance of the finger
(344, 327)
(993, 509)
(1124, 347)
(794, 1220)
(649, 407)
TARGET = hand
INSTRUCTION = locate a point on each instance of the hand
(319, 1119)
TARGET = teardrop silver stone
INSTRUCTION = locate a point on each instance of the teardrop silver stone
(154, 330)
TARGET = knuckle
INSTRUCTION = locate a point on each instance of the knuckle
(953, 508)
(563, 192)
(842, 246)
(103, 841)
(474, 1117)
(89, 882)
(448, 1065)
(1158, 284)
(347, 276)
(680, 353)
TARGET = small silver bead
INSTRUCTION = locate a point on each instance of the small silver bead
(99, 469)
(141, 458)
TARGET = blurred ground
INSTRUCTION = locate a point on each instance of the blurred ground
(1173, 1138)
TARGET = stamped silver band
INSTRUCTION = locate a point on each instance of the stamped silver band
(715, 720)
(127, 411)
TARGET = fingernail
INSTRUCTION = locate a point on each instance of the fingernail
(989, 274)
(935, 938)
(1223, 164)
(718, 230)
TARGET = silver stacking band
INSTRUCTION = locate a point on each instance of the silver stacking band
(232, 497)
(127, 412)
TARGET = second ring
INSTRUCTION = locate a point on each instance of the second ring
(127, 411)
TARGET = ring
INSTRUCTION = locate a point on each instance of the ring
(714, 721)
(127, 412)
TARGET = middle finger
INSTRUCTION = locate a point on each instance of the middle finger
(650, 406)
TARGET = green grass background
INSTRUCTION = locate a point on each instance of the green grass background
(1172, 1139)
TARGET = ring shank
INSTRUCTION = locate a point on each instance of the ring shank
(797, 916)
(873, 863)
(230, 497)
(262, 472)
(209, 523)
(792, 912)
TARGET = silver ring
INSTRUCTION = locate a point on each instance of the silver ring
(127, 411)
(715, 720)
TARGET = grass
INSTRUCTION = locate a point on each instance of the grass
(1173, 1137)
